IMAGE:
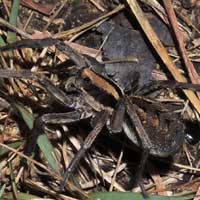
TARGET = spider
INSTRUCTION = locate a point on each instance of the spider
(148, 124)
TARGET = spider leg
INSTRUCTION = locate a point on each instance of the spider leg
(117, 118)
(29, 43)
(141, 132)
(79, 60)
(86, 145)
(52, 118)
(54, 91)
(145, 141)
(164, 84)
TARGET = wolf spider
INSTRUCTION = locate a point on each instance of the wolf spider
(148, 124)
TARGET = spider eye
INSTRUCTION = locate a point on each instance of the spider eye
(189, 138)
(192, 138)
(192, 133)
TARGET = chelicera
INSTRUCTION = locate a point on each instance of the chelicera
(133, 115)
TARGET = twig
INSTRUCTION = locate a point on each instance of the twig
(13, 28)
(53, 174)
(116, 171)
(194, 77)
(186, 167)
(31, 160)
(97, 5)
(89, 24)
(54, 15)
(161, 51)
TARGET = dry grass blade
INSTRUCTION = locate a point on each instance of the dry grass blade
(116, 170)
(53, 82)
(54, 15)
(54, 175)
(161, 51)
(46, 9)
(13, 28)
(89, 24)
(13, 145)
(194, 77)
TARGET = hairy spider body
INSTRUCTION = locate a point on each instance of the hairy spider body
(164, 138)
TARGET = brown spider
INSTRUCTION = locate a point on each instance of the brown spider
(148, 124)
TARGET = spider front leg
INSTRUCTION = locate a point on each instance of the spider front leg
(61, 118)
(103, 117)
(126, 109)
(143, 139)
(118, 121)
(142, 135)
(52, 118)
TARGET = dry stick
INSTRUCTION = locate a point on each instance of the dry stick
(54, 15)
(186, 167)
(46, 9)
(161, 51)
(187, 20)
(68, 32)
(89, 24)
(97, 5)
(28, 20)
(53, 174)
(44, 190)
(81, 32)
(6, 7)
(194, 77)
(158, 9)
(15, 29)
(116, 171)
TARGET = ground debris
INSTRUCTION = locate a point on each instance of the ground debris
(112, 95)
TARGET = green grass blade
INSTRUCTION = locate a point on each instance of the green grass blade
(12, 36)
(27, 116)
(135, 196)
(12, 178)
(13, 145)
(2, 42)
(2, 190)
(42, 141)
(47, 149)
(20, 196)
